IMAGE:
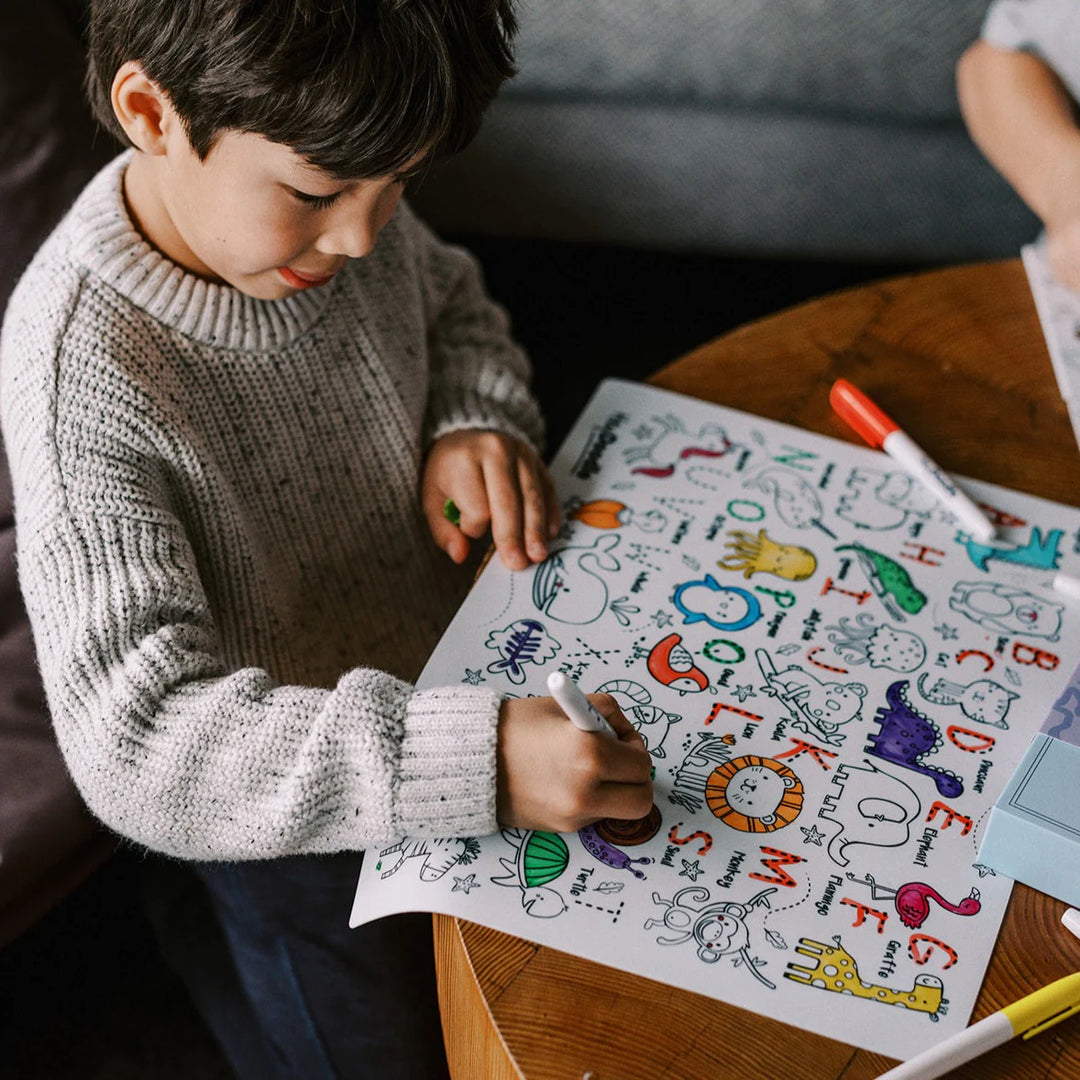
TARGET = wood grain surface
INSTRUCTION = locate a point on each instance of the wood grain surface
(957, 356)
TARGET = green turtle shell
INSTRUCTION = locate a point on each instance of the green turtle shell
(545, 857)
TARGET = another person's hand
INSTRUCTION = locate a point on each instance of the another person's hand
(554, 776)
(496, 482)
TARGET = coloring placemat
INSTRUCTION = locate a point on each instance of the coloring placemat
(834, 683)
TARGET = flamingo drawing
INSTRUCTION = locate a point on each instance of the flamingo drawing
(912, 900)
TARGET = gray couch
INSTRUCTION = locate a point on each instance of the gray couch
(807, 128)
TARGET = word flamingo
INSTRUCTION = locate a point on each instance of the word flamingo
(912, 901)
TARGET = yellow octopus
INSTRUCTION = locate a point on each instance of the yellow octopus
(758, 554)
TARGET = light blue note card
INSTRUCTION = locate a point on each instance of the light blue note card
(1033, 834)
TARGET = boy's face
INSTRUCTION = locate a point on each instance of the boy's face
(255, 214)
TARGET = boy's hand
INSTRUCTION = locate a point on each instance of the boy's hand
(496, 482)
(554, 776)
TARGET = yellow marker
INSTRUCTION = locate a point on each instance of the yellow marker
(1027, 1017)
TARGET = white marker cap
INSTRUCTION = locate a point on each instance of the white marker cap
(1068, 586)
(1071, 921)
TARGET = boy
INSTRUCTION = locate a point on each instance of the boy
(1018, 87)
(221, 398)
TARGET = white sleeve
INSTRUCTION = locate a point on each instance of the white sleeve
(1048, 29)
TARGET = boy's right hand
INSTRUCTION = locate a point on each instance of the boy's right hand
(554, 776)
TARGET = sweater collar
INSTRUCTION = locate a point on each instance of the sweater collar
(107, 243)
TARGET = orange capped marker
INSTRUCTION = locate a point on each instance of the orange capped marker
(883, 433)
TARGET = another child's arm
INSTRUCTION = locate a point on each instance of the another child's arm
(1022, 117)
(552, 775)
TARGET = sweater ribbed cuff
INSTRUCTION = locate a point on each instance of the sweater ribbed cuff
(498, 401)
(447, 764)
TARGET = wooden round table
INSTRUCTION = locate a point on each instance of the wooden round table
(959, 356)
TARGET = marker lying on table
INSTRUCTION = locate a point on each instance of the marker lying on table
(1028, 1016)
(883, 433)
(576, 705)
(1071, 921)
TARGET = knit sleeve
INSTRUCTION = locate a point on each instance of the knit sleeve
(1048, 29)
(479, 377)
(174, 752)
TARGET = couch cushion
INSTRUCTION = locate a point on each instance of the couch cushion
(848, 57)
(48, 841)
(49, 148)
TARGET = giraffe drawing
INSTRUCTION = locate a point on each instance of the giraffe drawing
(834, 969)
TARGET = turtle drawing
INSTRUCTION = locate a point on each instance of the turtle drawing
(540, 857)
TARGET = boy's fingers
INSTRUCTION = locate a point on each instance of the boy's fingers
(625, 802)
(504, 496)
(627, 761)
(627, 764)
(609, 709)
(535, 509)
(551, 502)
(474, 507)
(446, 534)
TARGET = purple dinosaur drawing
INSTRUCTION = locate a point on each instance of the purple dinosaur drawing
(906, 735)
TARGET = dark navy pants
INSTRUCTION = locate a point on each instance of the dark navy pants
(288, 989)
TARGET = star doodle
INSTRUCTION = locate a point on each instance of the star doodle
(948, 633)
(473, 678)
(661, 618)
(743, 692)
(691, 870)
(464, 884)
(813, 835)
(984, 869)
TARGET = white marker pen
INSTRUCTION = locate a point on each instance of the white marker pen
(882, 432)
(576, 705)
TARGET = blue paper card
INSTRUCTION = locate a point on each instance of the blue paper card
(1033, 834)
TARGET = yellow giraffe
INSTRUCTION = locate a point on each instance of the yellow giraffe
(835, 970)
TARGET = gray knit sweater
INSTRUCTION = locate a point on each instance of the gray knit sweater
(227, 572)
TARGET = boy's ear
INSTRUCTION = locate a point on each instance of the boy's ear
(141, 107)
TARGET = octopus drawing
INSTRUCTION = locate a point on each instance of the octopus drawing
(762, 555)
(862, 641)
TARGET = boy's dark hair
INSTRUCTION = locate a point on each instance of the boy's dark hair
(357, 87)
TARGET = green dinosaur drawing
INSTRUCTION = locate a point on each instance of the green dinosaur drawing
(889, 580)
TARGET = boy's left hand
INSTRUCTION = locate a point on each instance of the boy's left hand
(496, 482)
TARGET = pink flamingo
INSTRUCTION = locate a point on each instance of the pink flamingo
(912, 900)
